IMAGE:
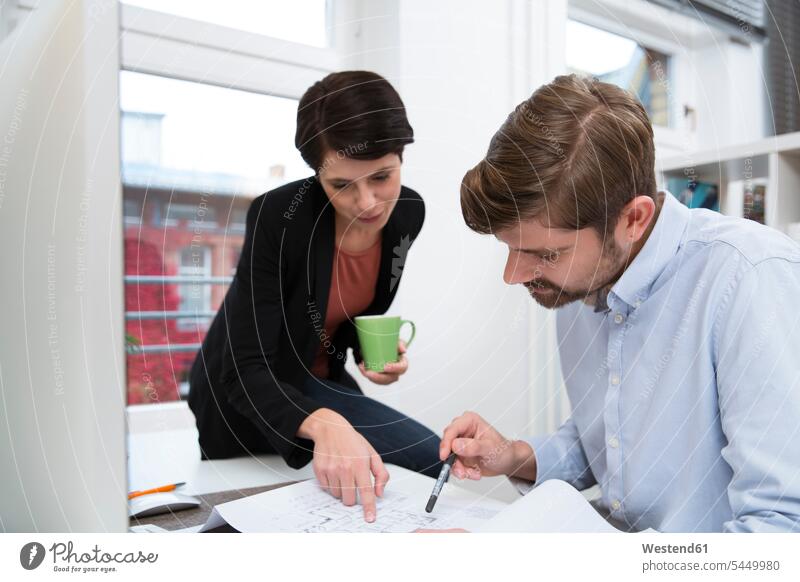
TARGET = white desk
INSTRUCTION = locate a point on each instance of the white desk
(163, 448)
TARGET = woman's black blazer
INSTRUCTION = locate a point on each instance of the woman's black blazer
(246, 383)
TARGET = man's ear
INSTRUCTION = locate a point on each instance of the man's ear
(636, 217)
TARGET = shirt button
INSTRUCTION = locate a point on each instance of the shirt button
(618, 318)
(613, 442)
(615, 504)
(615, 380)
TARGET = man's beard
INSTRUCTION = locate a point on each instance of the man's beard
(611, 266)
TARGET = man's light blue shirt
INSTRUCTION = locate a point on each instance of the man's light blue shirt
(685, 394)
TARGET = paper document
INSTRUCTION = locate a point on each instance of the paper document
(305, 507)
(553, 506)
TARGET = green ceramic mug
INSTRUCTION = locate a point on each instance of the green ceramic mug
(378, 336)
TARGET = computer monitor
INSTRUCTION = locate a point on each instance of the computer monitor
(62, 361)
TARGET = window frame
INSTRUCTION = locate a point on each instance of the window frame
(177, 47)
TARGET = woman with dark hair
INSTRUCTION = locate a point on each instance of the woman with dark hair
(270, 375)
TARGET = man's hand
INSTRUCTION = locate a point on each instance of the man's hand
(344, 462)
(484, 452)
(391, 371)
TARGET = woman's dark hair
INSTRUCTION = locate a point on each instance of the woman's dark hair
(357, 114)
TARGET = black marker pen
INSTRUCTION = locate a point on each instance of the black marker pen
(437, 487)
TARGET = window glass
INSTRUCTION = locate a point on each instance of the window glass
(193, 157)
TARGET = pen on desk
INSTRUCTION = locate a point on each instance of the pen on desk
(444, 474)
(163, 489)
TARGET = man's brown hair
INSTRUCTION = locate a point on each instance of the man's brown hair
(572, 155)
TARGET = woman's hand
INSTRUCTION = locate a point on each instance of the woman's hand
(344, 462)
(391, 371)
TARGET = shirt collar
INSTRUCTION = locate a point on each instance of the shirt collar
(634, 285)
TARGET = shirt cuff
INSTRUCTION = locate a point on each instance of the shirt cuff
(547, 460)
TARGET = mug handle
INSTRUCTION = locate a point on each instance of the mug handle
(413, 330)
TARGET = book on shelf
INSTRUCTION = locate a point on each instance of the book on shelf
(753, 204)
(695, 194)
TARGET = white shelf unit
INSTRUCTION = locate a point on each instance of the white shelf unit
(774, 161)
